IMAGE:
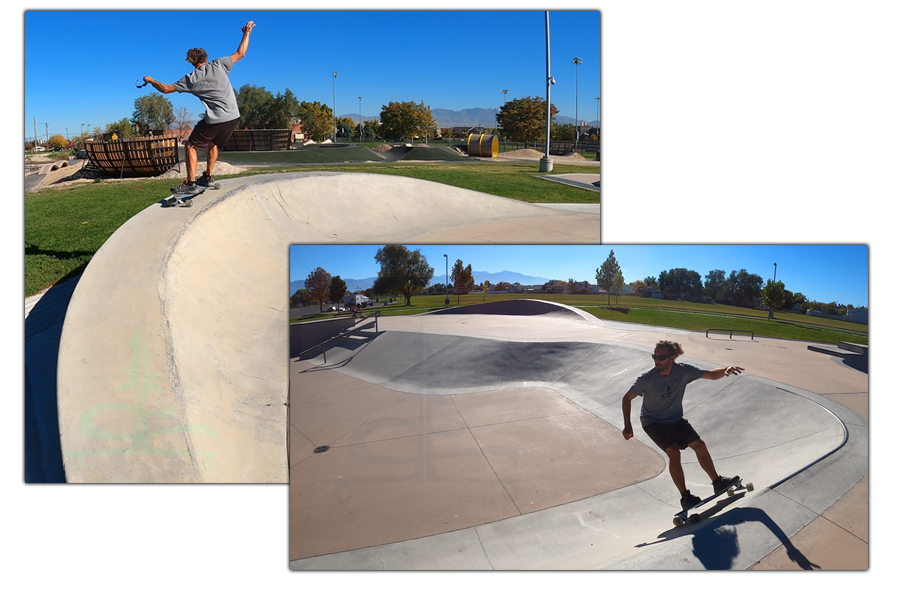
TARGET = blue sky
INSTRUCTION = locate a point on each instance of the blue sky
(821, 272)
(446, 59)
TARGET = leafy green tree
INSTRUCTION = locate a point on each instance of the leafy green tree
(337, 290)
(773, 295)
(402, 271)
(346, 128)
(318, 285)
(153, 111)
(680, 283)
(743, 288)
(562, 131)
(618, 284)
(651, 281)
(406, 120)
(713, 283)
(606, 274)
(123, 127)
(256, 105)
(286, 111)
(462, 279)
(316, 119)
(525, 119)
(299, 297)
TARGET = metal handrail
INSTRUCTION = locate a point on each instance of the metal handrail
(342, 335)
(730, 332)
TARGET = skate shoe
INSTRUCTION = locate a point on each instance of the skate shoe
(185, 189)
(688, 500)
(206, 181)
(723, 483)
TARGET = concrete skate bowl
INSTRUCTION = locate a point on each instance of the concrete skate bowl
(420, 153)
(172, 354)
(520, 307)
(547, 416)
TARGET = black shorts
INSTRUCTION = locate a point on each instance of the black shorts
(212, 134)
(679, 433)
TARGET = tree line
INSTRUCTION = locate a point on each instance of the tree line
(739, 288)
(518, 120)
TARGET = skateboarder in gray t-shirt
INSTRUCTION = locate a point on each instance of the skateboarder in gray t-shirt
(662, 414)
(209, 82)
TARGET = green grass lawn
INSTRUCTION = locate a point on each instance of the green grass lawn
(65, 226)
(696, 317)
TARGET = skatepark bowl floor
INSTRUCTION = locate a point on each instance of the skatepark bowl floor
(493, 441)
(119, 365)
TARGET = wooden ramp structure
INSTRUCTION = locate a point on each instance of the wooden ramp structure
(144, 156)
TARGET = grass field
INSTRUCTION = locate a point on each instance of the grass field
(65, 226)
(697, 317)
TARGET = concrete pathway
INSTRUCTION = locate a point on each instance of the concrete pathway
(478, 441)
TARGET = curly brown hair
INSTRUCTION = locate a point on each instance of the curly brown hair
(195, 56)
(673, 347)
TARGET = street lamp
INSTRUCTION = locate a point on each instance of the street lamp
(577, 61)
(546, 164)
(360, 120)
(333, 103)
(446, 280)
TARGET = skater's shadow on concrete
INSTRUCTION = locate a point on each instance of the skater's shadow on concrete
(716, 543)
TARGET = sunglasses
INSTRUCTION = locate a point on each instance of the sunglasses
(660, 357)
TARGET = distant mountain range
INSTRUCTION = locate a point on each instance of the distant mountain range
(446, 118)
(354, 284)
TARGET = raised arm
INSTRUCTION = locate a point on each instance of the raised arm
(164, 88)
(628, 431)
(720, 372)
(245, 41)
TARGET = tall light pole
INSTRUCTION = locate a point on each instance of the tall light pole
(546, 164)
(504, 92)
(576, 61)
(597, 98)
(333, 103)
(360, 120)
(446, 280)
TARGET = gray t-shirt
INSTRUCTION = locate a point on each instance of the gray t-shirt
(663, 395)
(211, 85)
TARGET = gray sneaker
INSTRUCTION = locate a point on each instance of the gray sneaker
(185, 189)
(207, 181)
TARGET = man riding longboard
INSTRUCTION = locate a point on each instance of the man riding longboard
(209, 82)
(662, 415)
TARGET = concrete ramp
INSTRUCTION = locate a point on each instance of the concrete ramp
(172, 354)
(544, 415)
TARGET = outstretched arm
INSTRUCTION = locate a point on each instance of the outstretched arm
(164, 88)
(628, 431)
(245, 41)
(720, 372)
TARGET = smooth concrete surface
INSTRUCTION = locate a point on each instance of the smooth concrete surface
(775, 425)
(171, 358)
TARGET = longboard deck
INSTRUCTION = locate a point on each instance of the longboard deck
(186, 200)
(682, 517)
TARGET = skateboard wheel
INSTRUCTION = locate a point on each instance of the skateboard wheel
(730, 491)
(695, 518)
(749, 486)
(678, 521)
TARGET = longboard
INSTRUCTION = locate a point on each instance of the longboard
(187, 200)
(682, 517)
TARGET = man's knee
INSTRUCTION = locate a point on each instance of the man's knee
(697, 445)
(674, 453)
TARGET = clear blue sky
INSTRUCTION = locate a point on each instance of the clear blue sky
(821, 272)
(446, 59)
